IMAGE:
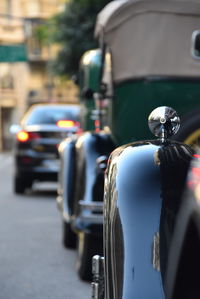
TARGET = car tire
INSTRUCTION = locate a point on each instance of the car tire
(68, 236)
(88, 246)
(189, 132)
(19, 185)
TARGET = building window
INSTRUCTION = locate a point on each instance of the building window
(6, 77)
(6, 7)
(32, 36)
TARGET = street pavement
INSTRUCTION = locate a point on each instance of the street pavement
(33, 262)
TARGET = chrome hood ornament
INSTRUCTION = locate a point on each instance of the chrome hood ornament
(164, 122)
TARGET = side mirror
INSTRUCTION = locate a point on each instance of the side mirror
(164, 122)
(87, 93)
(195, 50)
(14, 129)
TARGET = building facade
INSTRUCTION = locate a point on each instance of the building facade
(24, 62)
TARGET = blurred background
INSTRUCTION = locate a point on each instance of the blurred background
(41, 42)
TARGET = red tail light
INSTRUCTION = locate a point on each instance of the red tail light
(66, 123)
(24, 136)
(97, 126)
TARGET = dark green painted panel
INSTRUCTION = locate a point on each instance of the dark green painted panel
(11, 54)
(90, 78)
(134, 101)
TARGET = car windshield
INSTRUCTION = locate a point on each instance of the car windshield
(51, 114)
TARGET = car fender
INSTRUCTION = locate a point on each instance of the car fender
(136, 199)
(83, 181)
(67, 177)
(90, 180)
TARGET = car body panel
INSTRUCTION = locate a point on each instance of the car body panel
(142, 97)
(67, 177)
(140, 203)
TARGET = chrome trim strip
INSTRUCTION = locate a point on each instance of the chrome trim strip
(92, 206)
(59, 202)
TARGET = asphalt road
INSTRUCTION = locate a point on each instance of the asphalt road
(33, 263)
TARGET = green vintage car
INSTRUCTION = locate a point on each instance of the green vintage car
(150, 59)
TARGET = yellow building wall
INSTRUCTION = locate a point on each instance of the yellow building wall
(30, 80)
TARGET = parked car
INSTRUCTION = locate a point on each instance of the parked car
(145, 180)
(81, 177)
(41, 130)
(143, 72)
(144, 186)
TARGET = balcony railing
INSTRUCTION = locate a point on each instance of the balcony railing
(40, 8)
(11, 30)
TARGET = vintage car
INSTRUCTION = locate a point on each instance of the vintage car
(150, 58)
(144, 187)
(145, 66)
(81, 177)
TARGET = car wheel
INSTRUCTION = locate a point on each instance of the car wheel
(68, 236)
(19, 185)
(189, 132)
(88, 246)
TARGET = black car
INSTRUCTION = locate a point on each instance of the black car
(144, 185)
(36, 147)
